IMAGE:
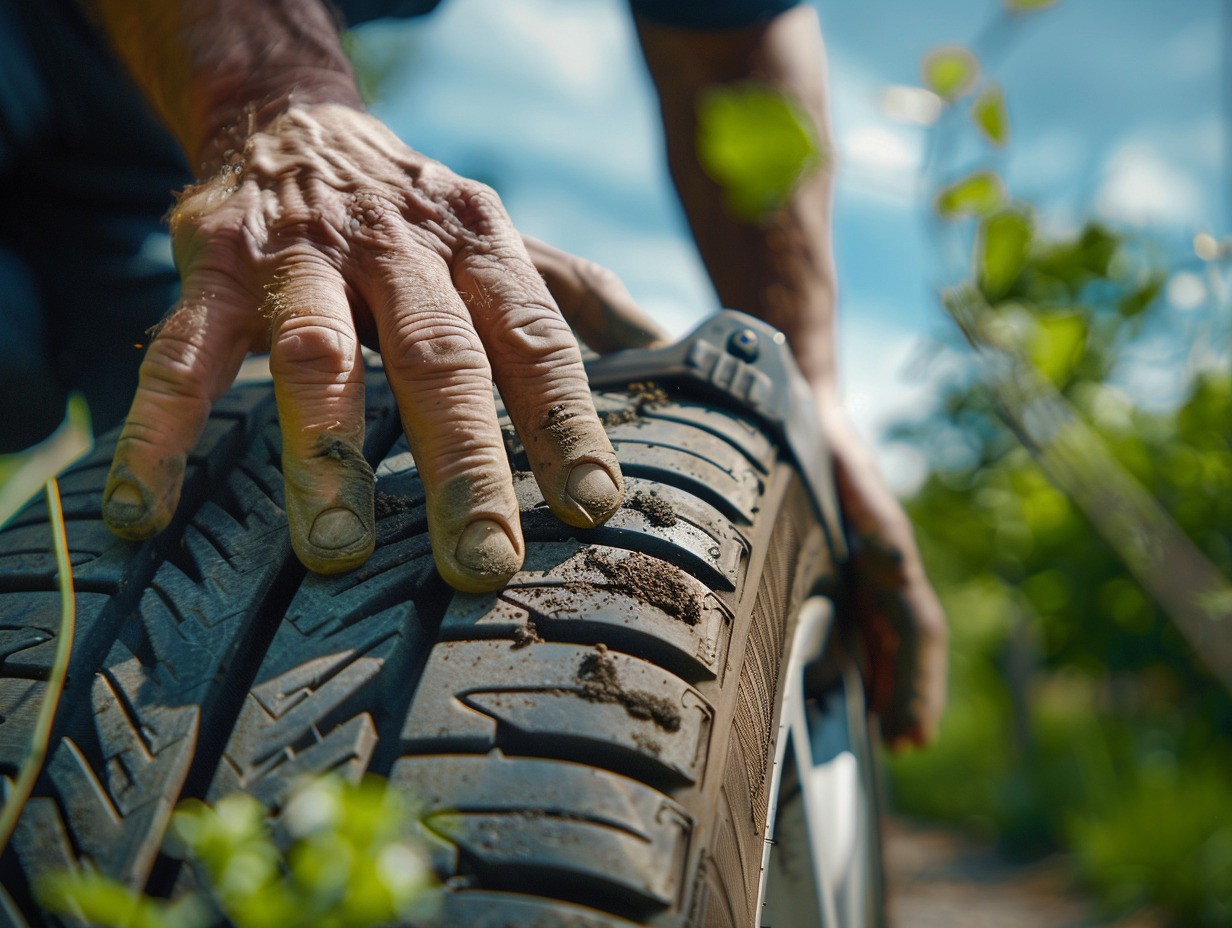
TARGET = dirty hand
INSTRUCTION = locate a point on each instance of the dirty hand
(900, 618)
(326, 232)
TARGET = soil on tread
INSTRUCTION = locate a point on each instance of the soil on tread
(609, 715)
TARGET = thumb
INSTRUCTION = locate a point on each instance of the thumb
(594, 301)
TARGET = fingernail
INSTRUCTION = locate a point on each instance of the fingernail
(125, 494)
(484, 547)
(593, 488)
(336, 528)
(125, 504)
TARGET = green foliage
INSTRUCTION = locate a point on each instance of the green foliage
(756, 143)
(352, 860)
(976, 194)
(1164, 836)
(1079, 717)
(1003, 247)
(950, 72)
(1061, 753)
(989, 115)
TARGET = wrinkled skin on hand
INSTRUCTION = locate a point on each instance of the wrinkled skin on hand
(326, 232)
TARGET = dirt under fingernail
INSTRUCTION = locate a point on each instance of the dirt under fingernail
(485, 547)
(593, 488)
(127, 511)
(336, 528)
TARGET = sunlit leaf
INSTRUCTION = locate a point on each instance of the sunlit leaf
(1002, 249)
(976, 194)
(1028, 6)
(949, 72)
(1057, 345)
(988, 113)
(755, 143)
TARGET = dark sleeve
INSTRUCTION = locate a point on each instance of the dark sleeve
(355, 12)
(710, 14)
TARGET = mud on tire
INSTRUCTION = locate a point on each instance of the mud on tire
(597, 738)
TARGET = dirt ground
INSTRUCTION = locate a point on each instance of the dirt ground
(940, 879)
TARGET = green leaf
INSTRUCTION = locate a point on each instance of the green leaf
(1057, 345)
(988, 114)
(755, 143)
(976, 194)
(1002, 249)
(950, 71)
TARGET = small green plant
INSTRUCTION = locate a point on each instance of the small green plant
(351, 860)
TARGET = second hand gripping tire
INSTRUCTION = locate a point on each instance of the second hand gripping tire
(594, 746)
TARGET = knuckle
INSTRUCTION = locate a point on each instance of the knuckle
(432, 349)
(372, 210)
(313, 348)
(478, 207)
(173, 368)
(536, 334)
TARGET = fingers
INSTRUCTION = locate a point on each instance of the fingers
(594, 301)
(319, 387)
(190, 363)
(538, 368)
(439, 372)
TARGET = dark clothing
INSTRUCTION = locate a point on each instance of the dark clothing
(86, 174)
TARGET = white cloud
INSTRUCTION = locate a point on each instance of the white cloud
(1142, 188)
(880, 389)
(881, 161)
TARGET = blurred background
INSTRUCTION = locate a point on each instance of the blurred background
(1032, 205)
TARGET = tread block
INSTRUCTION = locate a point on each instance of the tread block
(99, 558)
(395, 573)
(693, 535)
(705, 468)
(40, 840)
(546, 698)
(580, 593)
(550, 821)
(744, 435)
(31, 625)
(121, 846)
(19, 708)
(307, 691)
(481, 909)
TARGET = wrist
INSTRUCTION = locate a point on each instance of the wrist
(227, 121)
(217, 71)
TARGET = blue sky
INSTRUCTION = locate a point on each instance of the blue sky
(1114, 107)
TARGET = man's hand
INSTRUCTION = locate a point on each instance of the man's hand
(902, 623)
(327, 231)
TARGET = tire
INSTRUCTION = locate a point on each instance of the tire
(593, 745)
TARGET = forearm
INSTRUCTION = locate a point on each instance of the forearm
(216, 70)
(780, 267)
